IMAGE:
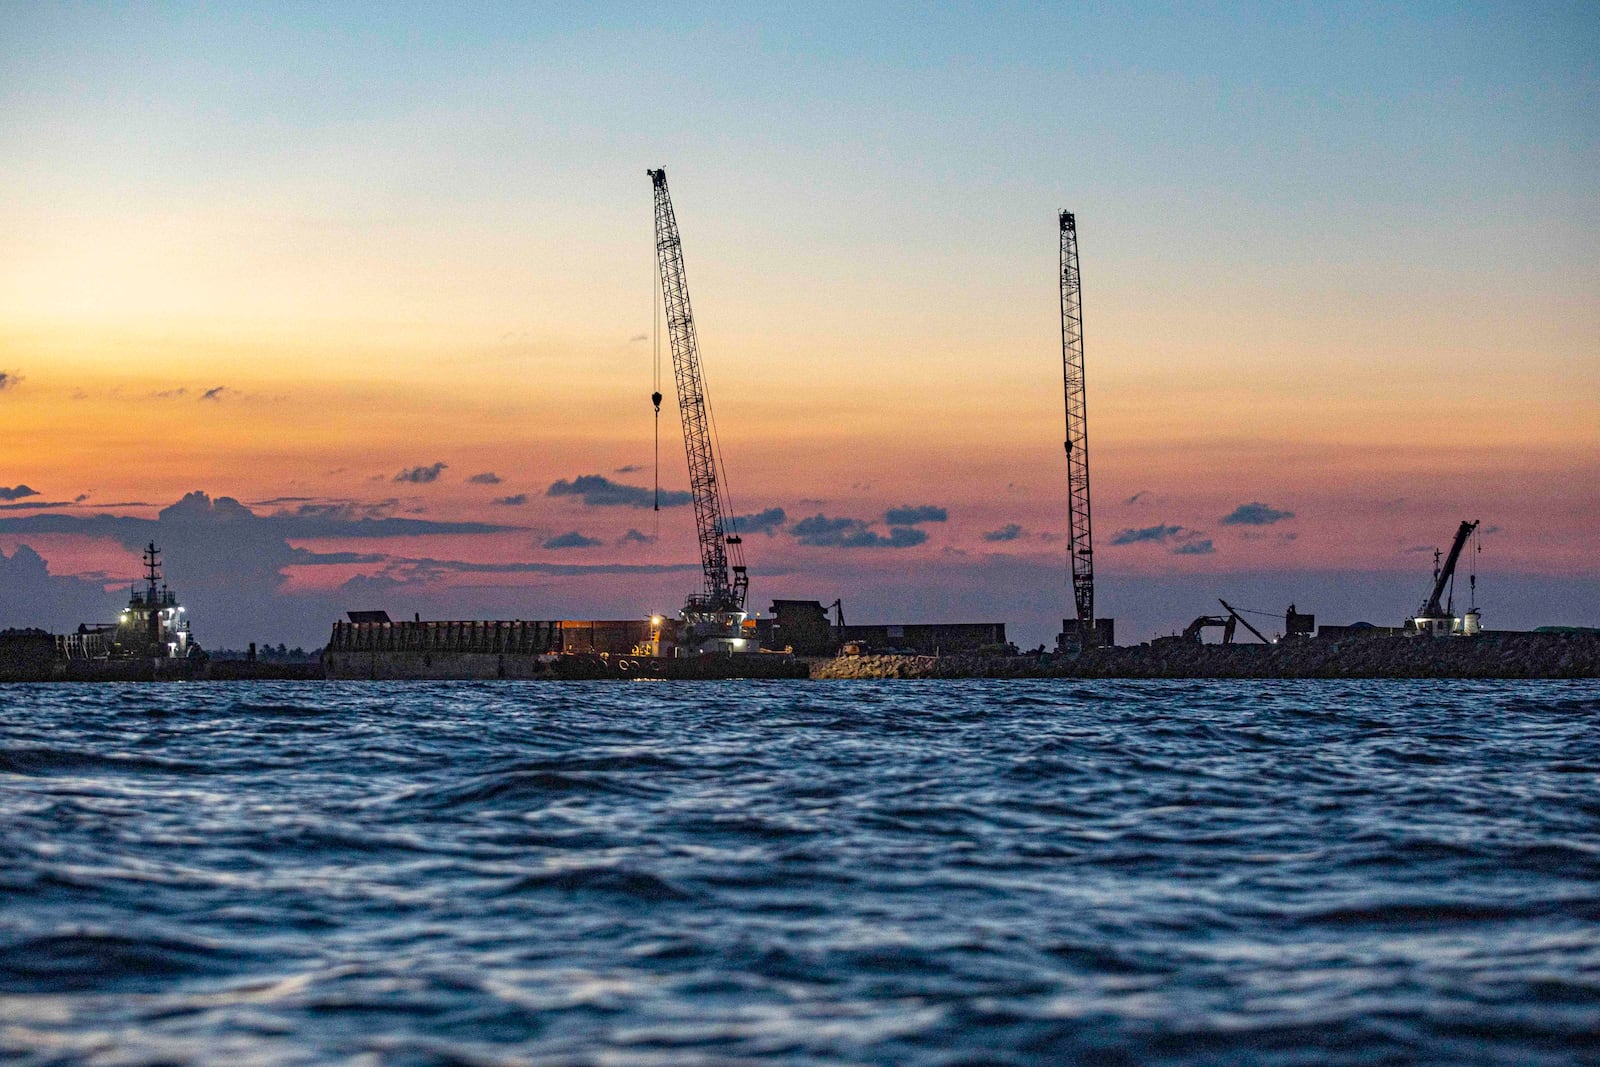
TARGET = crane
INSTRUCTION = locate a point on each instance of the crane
(1434, 618)
(719, 606)
(1080, 544)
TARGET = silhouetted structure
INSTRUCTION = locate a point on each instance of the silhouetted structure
(1084, 633)
(715, 615)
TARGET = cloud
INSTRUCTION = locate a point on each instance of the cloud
(303, 557)
(410, 569)
(214, 394)
(486, 478)
(273, 500)
(766, 522)
(421, 475)
(338, 519)
(9, 379)
(17, 492)
(1135, 498)
(1195, 548)
(515, 500)
(231, 567)
(598, 491)
(638, 337)
(33, 505)
(1009, 532)
(634, 537)
(819, 531)
(572, 539)
(631, 468)
(80, 498)
(171, 394)
(1254, 513)
(35, 597)
(333, 509)
(911, 516)
(1158, 534)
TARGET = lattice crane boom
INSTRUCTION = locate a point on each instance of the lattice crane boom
(721, 554)
(1081, 544)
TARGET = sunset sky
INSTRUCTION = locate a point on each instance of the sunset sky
(376, 280)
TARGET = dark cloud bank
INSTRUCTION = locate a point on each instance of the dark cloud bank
(915, 516)
(1254, 513)
(819, 531)
(572, 539)
(1159, 534)
(421, 475)
(231, 564)
(598, 491)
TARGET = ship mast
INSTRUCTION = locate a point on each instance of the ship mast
(152, 567)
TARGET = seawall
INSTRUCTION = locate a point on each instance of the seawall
(1488, 656)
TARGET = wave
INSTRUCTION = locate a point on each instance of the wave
(88, 962)
(611, 881)
(39, 761)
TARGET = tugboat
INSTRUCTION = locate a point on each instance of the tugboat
(153, 625)
(150, 640)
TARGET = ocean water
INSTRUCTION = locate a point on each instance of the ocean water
(853, 872)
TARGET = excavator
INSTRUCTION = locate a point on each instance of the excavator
(1226, 623)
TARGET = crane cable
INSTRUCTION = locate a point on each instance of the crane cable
(732, 528)
(1258, 611)
(1472, 566)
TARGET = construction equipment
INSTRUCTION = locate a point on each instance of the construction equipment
(715, 615)
(1298, 624)
(1080, 543)
(1191, 633)
(1436, 619)
(1226, 623)
(1233, 612)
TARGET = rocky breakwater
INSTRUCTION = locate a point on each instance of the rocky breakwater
(1490, 655)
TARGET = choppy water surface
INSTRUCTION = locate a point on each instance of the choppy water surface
(902, 872)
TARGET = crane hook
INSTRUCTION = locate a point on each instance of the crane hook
(655, 398)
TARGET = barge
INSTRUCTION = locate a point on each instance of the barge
(371, 646)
